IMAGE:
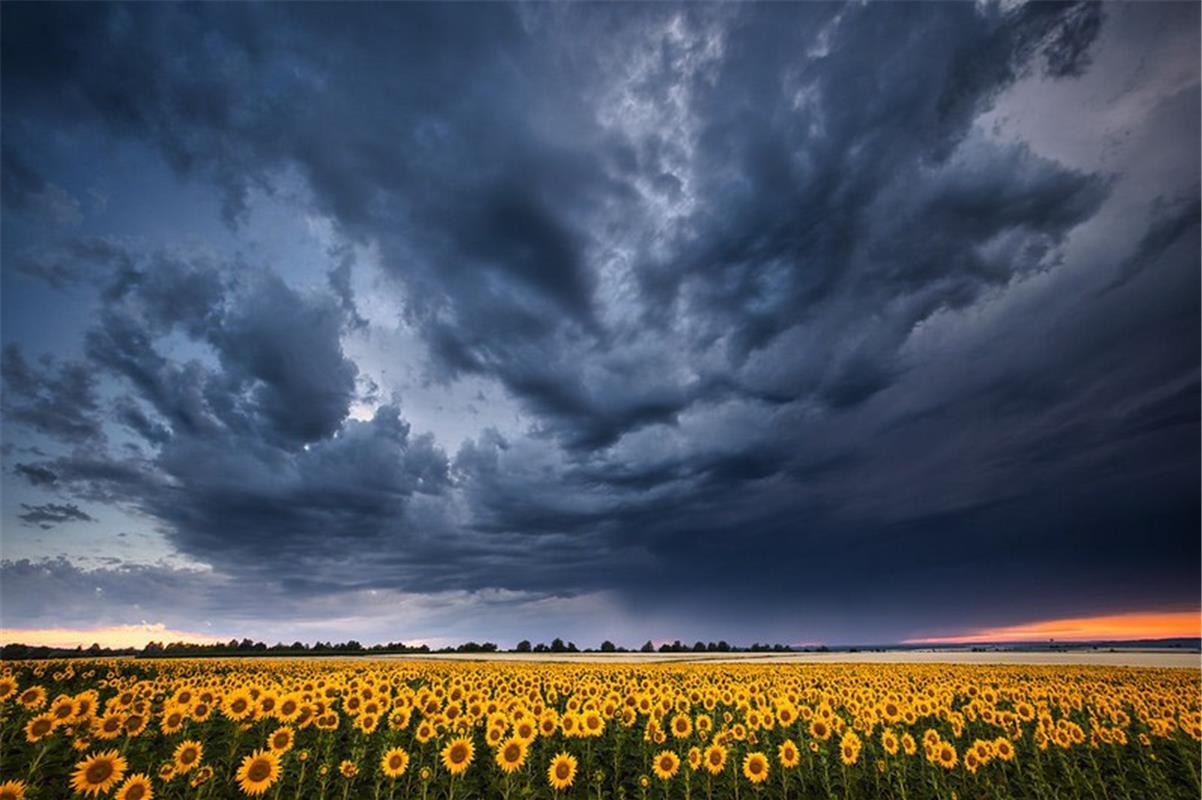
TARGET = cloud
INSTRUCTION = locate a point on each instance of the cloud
(51, 514)
(37, 476)
(57, 400)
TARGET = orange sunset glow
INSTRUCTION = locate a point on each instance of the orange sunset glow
(114, 636)
(1117, 627)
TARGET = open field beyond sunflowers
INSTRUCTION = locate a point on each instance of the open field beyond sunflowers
(405, 729)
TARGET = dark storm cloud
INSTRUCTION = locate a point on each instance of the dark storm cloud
(51, 514)
(1170, 222)
(58, 400)
(252, 456)
(38, 476)
(784, 317)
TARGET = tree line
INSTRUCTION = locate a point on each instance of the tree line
(247, 647)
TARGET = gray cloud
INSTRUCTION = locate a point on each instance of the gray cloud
(51, 514)
(57, 400)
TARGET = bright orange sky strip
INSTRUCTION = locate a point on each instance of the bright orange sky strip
(112, 636)
(1117, 627)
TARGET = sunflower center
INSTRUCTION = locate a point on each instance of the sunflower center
(135, 792)
(458, 753)
(99, 771)
(512, 752)
(188, 756)
(258, 771)
(755, 767)
(394, 762)
(562, 770)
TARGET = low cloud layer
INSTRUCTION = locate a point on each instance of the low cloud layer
(785, 313)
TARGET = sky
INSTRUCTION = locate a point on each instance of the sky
(801, 323)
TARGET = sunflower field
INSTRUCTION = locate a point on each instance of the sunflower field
(201, 728)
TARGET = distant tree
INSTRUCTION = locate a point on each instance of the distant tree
(572, 648)
(723, 647)
(523, 646)
(557, 645)
(540, 648)
(607, 646)
(647, 648)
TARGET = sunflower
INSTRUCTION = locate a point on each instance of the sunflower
(173, 720)
(203, 774)
(1004, 749)
(457, 755)
(348, 769)
(238, 706)
(715, 759)
(525, 730)
(99, 773)
(281, 741)
(109, 726)
(394, 763)
(820, 730)
(945, 755)
(889, 742)
(8, 687)
(187, 755)
(666, 764)
(39, 727)
(682, 726)
(594, 723)
(755, 767)
(849, 748)
(62, 709)
(258, 772)
(12, 790)
(136, 787)
(135, 724)
(694, 758)
(33, 698)
(788, 754)
(562, 771)
(909, 746)
(511, 755)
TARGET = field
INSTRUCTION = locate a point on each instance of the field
(455, 729)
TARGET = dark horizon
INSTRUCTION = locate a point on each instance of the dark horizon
(811, 323)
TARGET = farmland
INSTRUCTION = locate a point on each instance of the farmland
(357, 728)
